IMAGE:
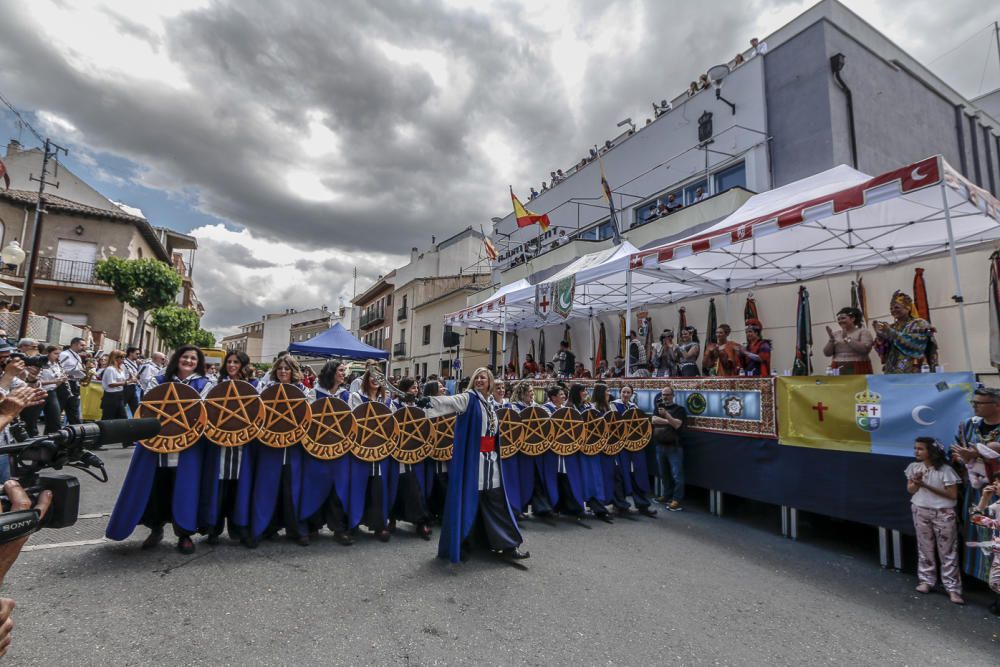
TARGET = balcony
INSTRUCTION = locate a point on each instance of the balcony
(399, 350)
(401, 314)
(66, 271)
(372, 317)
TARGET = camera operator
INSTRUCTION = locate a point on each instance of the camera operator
(27, 350)
(9, 551)
(669, 420)
(72, 364)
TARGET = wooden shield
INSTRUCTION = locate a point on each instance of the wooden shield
(286, 415)
(233, 410)
(567, 431)
(638, 429)
(331, 430)
(616, 433)
(511, 432)
(444, 437)
(416, 438)
(595, 433)
(181, 414)
(537, 431)
(378, 432)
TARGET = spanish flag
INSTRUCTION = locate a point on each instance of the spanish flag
(526, 217)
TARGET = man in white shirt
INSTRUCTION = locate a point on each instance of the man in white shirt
(150, 369)
(130, 366)
(757, 47)
(72, 364)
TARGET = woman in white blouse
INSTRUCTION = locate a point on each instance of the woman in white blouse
(113, 379)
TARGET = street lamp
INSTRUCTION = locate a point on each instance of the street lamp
(12, 254)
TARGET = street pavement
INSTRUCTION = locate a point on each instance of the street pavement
(684, 588)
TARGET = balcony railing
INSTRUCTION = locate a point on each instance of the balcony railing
(401, 314)
(372, 317)
(399, 350)
(66, 271)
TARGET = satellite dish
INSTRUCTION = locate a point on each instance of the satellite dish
(718, 72)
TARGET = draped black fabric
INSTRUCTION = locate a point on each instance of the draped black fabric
(867, 488)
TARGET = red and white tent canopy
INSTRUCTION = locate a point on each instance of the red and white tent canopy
(883, 220)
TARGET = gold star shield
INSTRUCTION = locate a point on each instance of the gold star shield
(181, 414)
(595, 434)
(567, 431)
(331, 430)
(616, 433)
(537, 431)
(286, 415)
(233, 410)
(638, 429)
(444, 438)
(378, 432)
(416, 440)
(511, 432)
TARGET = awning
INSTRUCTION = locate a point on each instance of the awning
(337, 342)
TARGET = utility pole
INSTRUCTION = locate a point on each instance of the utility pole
(51, 152)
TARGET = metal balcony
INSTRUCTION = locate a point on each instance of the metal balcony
(401, 314)
(399, 350)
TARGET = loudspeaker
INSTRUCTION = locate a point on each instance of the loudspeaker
(451, 339)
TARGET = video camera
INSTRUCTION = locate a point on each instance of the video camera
(36, 361)
(70, 447)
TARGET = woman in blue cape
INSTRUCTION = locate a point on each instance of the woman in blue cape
(278, 488)
(410, 503)
(165, 488)
(373, 485)
(545, 486)
(569, 476)
(329, 482)
(631, 473)
(476, 506)
(592, 475)
(226, 472)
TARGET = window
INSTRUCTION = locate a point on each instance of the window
(402, 335)
(424, 373)
(427, 334)
(733, 177)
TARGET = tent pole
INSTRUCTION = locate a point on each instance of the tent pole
(503, 342)
(958, 278)
(628, 315)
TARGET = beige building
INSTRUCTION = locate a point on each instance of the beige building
(375, 313)
(248, 340)
(80, 227)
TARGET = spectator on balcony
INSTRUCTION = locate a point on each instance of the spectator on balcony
(699, 195)
(703, 82)
(533, 194)
(661, 209)
(673, 204)
(757, 47)
(602, 369)
(529, 368)
(581, 371)
(593, 153)
(651, 214)
(560, 175)
(618, 370)
(553, 178)
(544, 187)
(693, 89)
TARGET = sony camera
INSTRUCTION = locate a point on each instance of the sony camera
(67, 447)
(35, 361)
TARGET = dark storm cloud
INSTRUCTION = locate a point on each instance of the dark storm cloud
(236, 254)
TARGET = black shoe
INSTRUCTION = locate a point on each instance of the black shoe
(249, 542)
(154, 539)
(424, 531)
(605, 517)
(302, 540)
(212, 539)
(517, 554)
(647, 511)
(343, 538)
(185, 545)
(383, 535)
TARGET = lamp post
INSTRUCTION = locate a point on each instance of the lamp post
(14, 256)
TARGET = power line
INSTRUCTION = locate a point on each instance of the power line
(965, 41)
(21, 121)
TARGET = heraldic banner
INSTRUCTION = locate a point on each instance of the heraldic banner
(872, 414)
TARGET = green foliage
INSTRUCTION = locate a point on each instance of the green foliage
(178, 326)
(204, 338)
(144, 284)
(262, 366)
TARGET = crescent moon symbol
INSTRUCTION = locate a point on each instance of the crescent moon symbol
(916, 175)
(917, 418)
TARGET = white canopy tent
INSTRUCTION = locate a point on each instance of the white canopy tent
(920, 209)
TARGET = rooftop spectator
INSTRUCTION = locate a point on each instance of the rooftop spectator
(607, 145)
(648, 121)
(593, 153)
(757, 47)
(552, 177)
(661, 210)
(693, 89)
(533, 193)
(652, 213)
(737, 61)
(544, 187)
(703, 82)
(559, 174)
(699, 195)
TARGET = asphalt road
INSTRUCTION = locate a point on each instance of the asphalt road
(685, 588)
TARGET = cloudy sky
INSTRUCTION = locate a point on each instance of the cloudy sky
(300, 140)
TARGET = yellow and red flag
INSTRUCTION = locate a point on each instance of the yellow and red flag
(525, 217)
(491, 250)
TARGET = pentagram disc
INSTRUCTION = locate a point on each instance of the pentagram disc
(233, 411)
(595, 434)
(537, 431)
(286, 415)
(377, 432)
(415, 436)
(181, 414)
(567, 431)
(331, 430)
(511, 432)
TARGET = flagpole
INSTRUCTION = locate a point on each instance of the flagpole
(503, 342)
(593, 339)
(628, 315)
(958, 298)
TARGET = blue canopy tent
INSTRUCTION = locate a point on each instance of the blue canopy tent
(337, 342)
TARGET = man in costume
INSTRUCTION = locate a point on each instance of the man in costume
(757, 352)
(476, 505)
(907, 344)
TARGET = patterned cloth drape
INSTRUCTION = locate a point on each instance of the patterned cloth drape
(682, 321)
(713, 324)
(602, 347)
(995, 308)
(803, 335)
(920, 295)
(750, 309)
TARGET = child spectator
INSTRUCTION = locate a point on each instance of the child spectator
(933, 485)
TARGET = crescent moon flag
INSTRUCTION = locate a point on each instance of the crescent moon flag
(526, 218)
(565, 291)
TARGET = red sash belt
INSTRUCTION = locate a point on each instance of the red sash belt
(487, 443)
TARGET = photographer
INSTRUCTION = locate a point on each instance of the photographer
(668, 423)
(9, 551)
(27, 351)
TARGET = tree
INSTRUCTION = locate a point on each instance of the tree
(203, 338)
(144, 284)
(178, 326)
